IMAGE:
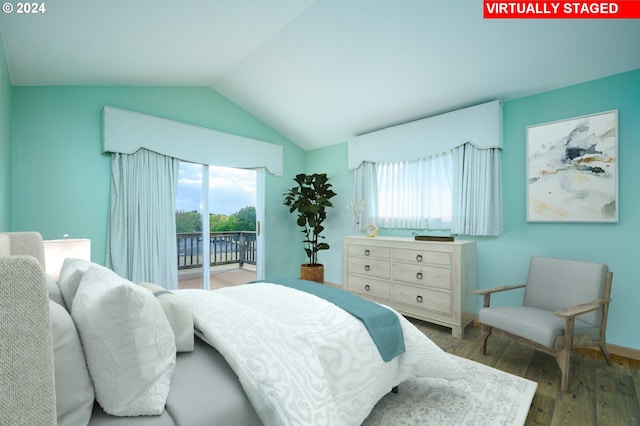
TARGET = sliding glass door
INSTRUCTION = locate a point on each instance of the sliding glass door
(218, 219)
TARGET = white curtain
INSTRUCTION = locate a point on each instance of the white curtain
(366, 188)
(477, 191)
(460, 190)
(412, 194)
(141, 240)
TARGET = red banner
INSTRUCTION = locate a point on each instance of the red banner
(622, 9)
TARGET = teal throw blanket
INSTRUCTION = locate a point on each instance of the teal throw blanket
(383, 324)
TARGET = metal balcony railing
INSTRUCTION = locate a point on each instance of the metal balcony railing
(224, 248)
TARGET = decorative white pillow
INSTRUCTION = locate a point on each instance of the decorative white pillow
(178, 314)
(70, 276)
(54, 291)
(128, 343)
(74, 390)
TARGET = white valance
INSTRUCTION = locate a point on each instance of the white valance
(126, 132)
(480, 125)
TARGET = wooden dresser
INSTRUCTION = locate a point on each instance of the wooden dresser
(431, 281)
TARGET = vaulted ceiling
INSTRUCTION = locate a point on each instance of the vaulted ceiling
(317, 71)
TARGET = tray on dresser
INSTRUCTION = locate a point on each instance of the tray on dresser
(433, 237)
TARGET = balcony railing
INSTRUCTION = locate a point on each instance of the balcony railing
(224, 248)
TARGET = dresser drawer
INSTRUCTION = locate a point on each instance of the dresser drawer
(369, 267)
(422, 275)
(420, 297)
(369, 251)
(369, 287)
(423, 256)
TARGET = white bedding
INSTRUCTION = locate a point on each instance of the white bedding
(304, 361)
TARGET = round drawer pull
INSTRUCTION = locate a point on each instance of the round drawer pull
(367, 252)
(367, 287)
(419, 258)
(419, 299)
(367, 267)
(419, 275)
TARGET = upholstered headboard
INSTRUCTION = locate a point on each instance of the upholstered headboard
(5, 245)
(24, 244)
(27, 394)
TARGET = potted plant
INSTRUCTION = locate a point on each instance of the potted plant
(310, 199)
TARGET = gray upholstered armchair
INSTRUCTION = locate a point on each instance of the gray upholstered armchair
(27, 393)
(565, 306)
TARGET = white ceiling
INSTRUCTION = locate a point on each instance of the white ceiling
(317, 71)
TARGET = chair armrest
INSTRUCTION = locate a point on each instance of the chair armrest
(27, 390)
(574, 311)
(492, 290)
(487, 292)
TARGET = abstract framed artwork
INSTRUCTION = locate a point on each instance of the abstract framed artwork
(572, 169)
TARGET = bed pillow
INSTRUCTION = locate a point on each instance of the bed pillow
(54, 292)
(178, 314)
(74, 390)
(70, 276)
(128, 343)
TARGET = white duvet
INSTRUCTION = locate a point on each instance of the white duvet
(304, 361)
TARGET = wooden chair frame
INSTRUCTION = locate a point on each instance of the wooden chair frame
(565, 343)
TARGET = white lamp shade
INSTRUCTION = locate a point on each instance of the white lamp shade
(56, 251)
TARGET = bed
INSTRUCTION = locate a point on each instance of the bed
(302, 359)
(265, 353)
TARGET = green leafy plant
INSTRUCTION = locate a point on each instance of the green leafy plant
(310, 199)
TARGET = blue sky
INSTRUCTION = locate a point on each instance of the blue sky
(229, 189)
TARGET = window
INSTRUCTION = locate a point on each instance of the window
(459, 190)
(414, 194)
(466, 179)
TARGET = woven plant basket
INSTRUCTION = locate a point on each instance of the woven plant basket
(312, 272)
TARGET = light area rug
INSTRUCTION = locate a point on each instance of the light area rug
(487, 396)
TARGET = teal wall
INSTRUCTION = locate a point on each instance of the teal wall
(504, 260)
(61, 179)
(333, 161)
(5, 142)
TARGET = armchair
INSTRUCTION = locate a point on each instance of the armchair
(565, 306)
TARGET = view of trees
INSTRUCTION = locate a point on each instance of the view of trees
(242, 220)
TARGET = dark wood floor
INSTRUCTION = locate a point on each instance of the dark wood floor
(599, 395)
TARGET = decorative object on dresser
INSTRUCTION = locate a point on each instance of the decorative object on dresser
(310, 199)
(433, 237)
(371, 231)
(357, 209)
(428, 280)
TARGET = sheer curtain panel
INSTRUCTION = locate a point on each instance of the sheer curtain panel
(141, 240)
(412, 194)
(477, 191)
(366, 188)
